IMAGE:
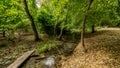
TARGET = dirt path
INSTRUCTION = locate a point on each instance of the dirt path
(103, 51)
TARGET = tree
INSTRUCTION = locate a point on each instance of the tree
(10, 14)
(83, 25)
(32, 20)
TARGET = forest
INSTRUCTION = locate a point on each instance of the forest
(59, 33)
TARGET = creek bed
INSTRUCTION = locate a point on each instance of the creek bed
(49, 61)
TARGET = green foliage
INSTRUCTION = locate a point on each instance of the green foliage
(67, 15)
(32, 7)
(22, 24)
(46, 46)
(45, 19)
(105, 22)
(9, 13)
(59, 15)
(56, 15)
(12, 17)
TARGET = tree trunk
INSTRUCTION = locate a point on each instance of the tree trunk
(118, 7)
(65, 22)
(118, 2)
(3, 33)
(32, 20)
(118, 25)
(83, 33)
(61, 33)
(83, 26)
(93, 28)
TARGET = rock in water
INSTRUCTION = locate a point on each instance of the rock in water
(48, 62)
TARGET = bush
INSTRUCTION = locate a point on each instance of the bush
(46, 46)
(45, 19)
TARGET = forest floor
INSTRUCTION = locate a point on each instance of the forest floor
(103, 50)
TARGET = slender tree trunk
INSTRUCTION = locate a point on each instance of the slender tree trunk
(119, 7)
(93, 28)
(118, 2)
(32, 20)
(3, 33)
(82, 34)
(83, 26)
(61, 33)
(65, 22)
(118, 24)
(55, 28)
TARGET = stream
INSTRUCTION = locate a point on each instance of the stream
(51, 59)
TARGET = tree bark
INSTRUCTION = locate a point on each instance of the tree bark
(65, 22)
(83, 26)
(83, 33)
(61, 33)
(118, 2)
(93, 28)
(31, 20)
(3, 33)
(119, 7)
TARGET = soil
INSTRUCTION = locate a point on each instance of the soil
(103, 50)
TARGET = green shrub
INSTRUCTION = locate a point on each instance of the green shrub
(45, 19)
(46, 46)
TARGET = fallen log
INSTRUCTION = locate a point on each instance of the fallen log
(20, 60)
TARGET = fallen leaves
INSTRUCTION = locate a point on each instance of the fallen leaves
(103, 51)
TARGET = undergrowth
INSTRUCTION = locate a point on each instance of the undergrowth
(44, 47)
